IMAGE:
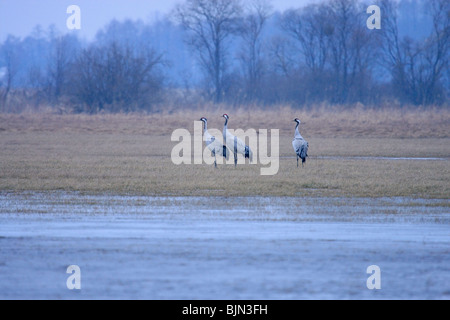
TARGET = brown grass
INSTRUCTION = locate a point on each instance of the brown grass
(320, 121)
(131, 154)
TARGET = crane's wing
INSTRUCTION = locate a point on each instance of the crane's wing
(217, 147)
(241, 147)
(300, 147)
(208, 138)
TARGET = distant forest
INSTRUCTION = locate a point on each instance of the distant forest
(237, 53)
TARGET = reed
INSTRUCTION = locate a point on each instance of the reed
(317, 121)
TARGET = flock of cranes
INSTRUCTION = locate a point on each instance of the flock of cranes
(217, 148)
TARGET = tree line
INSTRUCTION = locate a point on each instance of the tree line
(236, 52)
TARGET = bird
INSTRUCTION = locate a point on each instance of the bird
(238, 145)
(216, 147)
(300, 144)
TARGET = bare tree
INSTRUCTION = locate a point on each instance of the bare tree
(253, 64)
(335, 51)
(437, 48)
(344, 14)
(11, 58)
(211, 23)
(310, 27)
(59, 62)
(115, 78)
(417, 66)
(281, 55)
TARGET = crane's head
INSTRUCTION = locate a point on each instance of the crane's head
(203, 119)
(297, 120)
(226, 116)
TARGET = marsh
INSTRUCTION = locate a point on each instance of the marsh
(138, 247)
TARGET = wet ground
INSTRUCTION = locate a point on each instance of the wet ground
(130, 247)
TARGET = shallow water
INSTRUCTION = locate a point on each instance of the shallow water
(372, 158)
(130, 247)
(383, 158)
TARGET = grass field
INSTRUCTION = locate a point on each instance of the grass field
(130, 154)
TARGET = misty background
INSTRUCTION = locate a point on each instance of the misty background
(191, 53)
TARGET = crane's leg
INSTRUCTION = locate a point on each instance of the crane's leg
(297, 161)
(215, 160)
(235, 151)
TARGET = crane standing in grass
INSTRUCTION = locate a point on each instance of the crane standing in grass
(300, 144)
(216, 147)
(238, 145)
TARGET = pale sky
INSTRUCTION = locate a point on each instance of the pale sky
(19, 17)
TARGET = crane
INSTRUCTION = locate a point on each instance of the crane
(216, 147)
(300, 144)
(238, 145)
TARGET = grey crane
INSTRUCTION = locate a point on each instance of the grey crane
(216, 147)
(238, 145)
(300, 144)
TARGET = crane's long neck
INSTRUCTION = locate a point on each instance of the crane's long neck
(297, 133)
(205, 125)
(225, 127)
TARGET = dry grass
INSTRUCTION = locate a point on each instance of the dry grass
(324, 121)
(130, 154)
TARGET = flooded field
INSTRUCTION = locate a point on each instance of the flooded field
(136, 247)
